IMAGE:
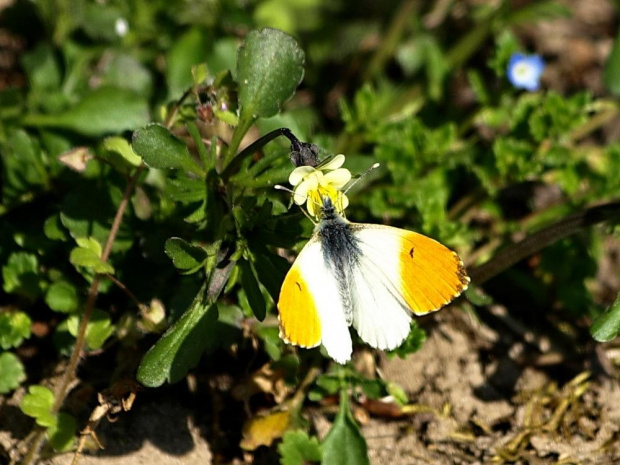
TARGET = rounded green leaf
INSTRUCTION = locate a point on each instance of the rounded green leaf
(38, 405)
(62, 297)
(159, 148)
(12, 372)
(99, 329)
(270, 66)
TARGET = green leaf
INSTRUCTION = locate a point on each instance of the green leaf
(53, 229)
(88, 258)
(252, 290)
(38, 405)
(607, 326)
(611, 75)
(12, 372)
(270, 66)
(105, 110)
(121, 147)
(24, 166)
(344, 444)
(99, 329)
(297, 448)
(21, 275)
(159, 148)
(184, 255)
(62, 297)
(14, 328)
(270, 270)
(181, 347)
(62, 434)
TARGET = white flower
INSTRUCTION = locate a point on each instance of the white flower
(312, 184)
(121, 27)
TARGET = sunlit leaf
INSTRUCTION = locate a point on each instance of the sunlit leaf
(159, 148)
(12, 372)
(607, 326)
(38, 405)
(270, 66)
(14, 328)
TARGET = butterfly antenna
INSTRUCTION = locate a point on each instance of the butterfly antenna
(376, 165)
(305, 197)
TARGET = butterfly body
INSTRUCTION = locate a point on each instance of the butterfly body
(368, 276)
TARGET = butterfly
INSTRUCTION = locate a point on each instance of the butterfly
(368, 276)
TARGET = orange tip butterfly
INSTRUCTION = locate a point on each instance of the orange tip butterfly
(368, 276)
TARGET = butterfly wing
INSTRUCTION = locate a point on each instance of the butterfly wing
(400, 271)
(310, 306)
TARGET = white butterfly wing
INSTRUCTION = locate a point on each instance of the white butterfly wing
(310, 306)
(399, 272)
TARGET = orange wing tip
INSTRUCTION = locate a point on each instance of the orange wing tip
(292, 341)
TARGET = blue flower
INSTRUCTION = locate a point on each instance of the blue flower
(524, 71)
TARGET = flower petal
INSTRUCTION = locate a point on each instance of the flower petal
(334, 163)
(338, 178)
(299, 174)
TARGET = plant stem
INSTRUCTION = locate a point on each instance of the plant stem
(537, 241)
(240, 131)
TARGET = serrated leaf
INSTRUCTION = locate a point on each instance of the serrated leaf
(159, 148)
(344, 444)
(299, 449)
(103, 111)
(62, 434)
(38, 405)
(252, 290)
(184, 255)
(12, 372)
(270, 66)
(181, 347)
(14, 328)
(607, 326)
